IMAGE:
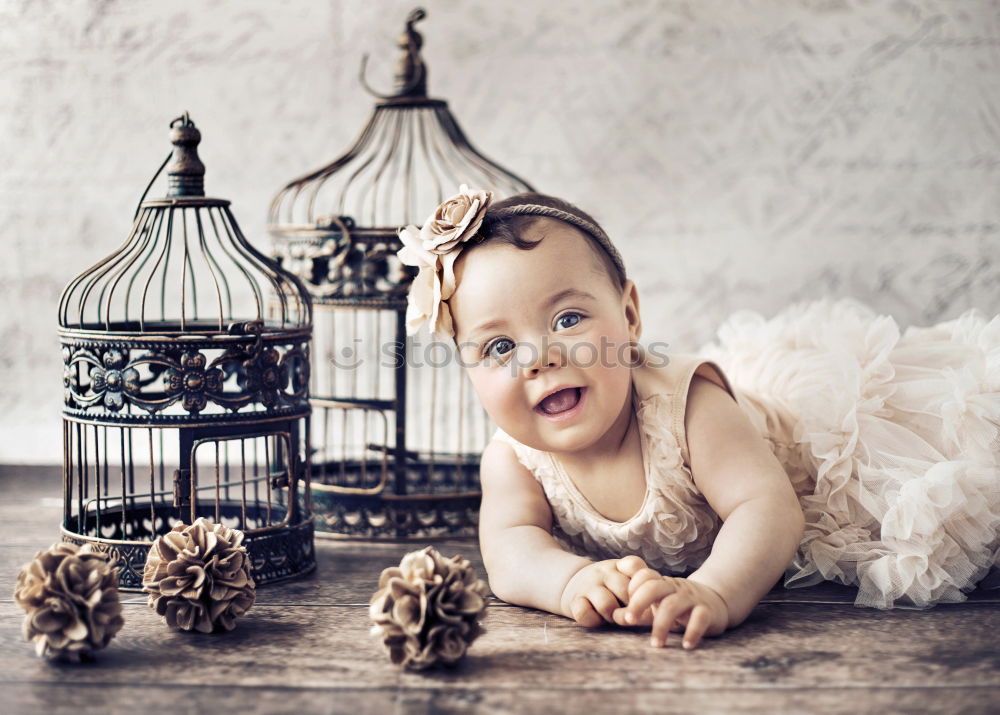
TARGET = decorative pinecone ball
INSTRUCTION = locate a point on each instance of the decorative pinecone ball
(70, 594)
(427, 609)
(198, 577)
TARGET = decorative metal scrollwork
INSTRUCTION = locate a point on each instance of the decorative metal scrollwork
(345, 264)
(193, 381)
(99, 382)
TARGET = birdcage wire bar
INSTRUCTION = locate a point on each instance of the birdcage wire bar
(408, 158)
(186, 361)
(119, 285)
(397, 429)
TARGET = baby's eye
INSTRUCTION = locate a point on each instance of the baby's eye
(568, 320)
(498, 348)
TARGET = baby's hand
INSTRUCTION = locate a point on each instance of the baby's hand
(670, 604)
(595, 591)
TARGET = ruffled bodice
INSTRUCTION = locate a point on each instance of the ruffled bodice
(674, 528)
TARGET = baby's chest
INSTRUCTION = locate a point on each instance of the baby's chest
(616, 494)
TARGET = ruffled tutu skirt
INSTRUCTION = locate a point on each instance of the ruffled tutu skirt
(891, 440)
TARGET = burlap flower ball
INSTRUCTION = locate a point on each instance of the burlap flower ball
(427, 610)
(70, 595)
(198, 577)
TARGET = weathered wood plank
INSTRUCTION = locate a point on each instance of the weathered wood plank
(305, 647)
(58, 698)
(781, 645)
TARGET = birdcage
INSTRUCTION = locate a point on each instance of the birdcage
(186, 376)
(397, 430)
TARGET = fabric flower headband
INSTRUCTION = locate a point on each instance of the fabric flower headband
(433, 249)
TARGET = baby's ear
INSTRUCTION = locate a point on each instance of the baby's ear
(630, 304)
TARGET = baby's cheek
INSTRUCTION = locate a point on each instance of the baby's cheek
(583, 354)
(602, 348)
(618, 353)
(496, 392)
(613, 369)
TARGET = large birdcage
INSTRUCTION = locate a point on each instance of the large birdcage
(186, 375)
(397, 429)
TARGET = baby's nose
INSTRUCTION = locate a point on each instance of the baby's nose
(547, 365)
(539, 356)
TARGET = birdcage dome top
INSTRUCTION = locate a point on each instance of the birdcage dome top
(409, 157)
(185, 268)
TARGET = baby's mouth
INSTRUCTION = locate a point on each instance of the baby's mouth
(560, 401)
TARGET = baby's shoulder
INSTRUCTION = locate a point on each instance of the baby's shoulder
(665, 387)
(499, 462)
(504, 447)
(671, 375)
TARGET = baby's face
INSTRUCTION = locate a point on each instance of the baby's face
(546, 336)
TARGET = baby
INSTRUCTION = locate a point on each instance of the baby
(609, 467)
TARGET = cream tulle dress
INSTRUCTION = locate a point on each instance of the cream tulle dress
(890, 439)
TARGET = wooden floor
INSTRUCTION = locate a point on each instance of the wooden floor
(305, 647)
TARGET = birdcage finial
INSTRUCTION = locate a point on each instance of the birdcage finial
(411, 72)
(186, 172)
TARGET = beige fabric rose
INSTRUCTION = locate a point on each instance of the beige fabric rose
(433, 249)
(70, 595)
(456, 220)
(427, 610)
(198, 577)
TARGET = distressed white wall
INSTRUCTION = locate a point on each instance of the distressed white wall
(742, 154)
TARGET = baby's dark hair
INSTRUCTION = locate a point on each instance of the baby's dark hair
(507, 220)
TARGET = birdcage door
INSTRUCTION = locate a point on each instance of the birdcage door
(246, 481)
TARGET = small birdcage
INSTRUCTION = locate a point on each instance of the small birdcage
(186, 375)
(397, 428)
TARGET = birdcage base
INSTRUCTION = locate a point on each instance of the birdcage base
(441, 500)
(277, 552)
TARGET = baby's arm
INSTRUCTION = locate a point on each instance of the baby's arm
(748, 488)
(736, 471)
(524, 563)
